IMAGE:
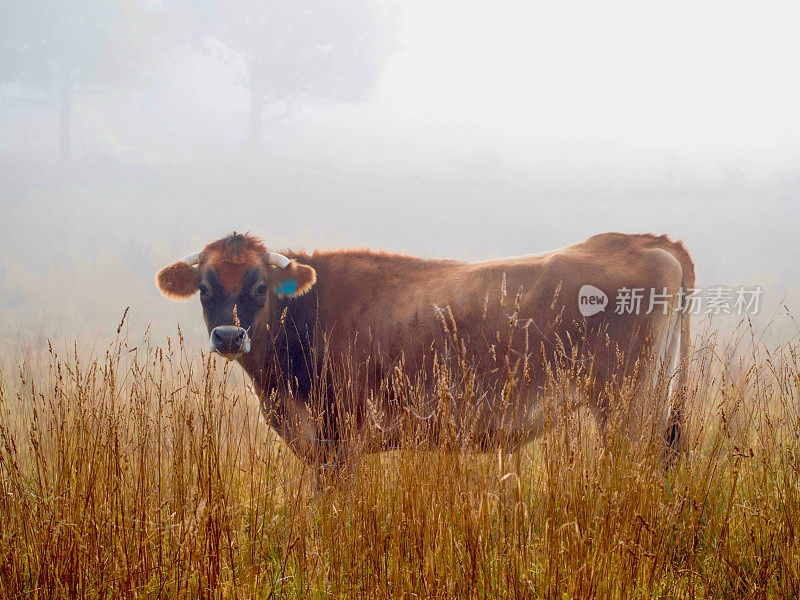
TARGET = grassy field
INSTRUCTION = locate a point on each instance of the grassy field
(147, 472)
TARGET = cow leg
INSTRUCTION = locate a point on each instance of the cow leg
(326, 476)
(600, 413)
(334, 465)
(674, 433)
(505, 455)
(328, 466)
(597, 401)
(675, 420)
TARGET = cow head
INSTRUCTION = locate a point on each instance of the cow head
(238, 279)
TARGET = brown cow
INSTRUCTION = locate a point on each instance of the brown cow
(302, 324)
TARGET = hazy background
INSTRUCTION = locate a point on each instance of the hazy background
(133, 132)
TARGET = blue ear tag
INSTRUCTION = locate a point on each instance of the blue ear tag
(287, 286)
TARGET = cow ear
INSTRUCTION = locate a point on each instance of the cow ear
(178, 280)
(293, 281)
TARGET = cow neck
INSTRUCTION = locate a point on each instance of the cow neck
(283, 349)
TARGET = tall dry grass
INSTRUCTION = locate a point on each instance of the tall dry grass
(147, 472)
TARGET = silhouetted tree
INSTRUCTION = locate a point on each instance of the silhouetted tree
(300, 49)
(50, 50)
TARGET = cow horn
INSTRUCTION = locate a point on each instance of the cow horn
(279, 260)
(192, 259)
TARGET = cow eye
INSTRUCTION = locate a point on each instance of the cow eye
(205, 290)
(261, 290)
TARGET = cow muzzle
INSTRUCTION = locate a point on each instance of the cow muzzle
(229, 341)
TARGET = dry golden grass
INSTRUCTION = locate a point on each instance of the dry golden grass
(148, 473)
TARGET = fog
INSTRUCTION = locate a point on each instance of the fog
(132, 133)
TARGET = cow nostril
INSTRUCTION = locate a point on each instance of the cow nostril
(227, 339)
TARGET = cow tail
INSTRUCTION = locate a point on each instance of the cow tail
(678, 389)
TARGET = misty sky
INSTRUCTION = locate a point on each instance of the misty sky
(710, 81)
(713, 73)
(491, 129)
